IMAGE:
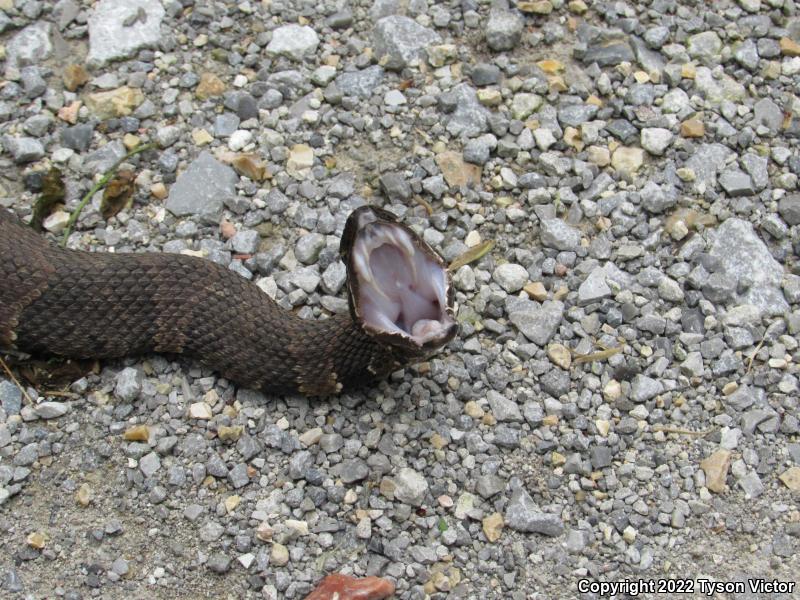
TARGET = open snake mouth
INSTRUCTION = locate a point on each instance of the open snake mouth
(399, 286)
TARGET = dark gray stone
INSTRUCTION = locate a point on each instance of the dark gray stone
(485, 74)
(77, 137)
(609, 55)
(789, 208)
(395, 186)
(219, 563)
(736, 183)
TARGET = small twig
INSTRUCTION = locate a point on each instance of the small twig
(667, 429)
(752, 356)
(473, 254)
(97, 187)
(59, 394)
(15, 380)
(595, 356)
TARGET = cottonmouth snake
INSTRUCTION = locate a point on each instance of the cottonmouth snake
(81, 305)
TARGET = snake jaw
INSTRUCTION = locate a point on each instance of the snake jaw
(400, 289)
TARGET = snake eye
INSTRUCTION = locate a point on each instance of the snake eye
(401, 285)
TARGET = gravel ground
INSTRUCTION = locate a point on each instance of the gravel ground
(636, 166)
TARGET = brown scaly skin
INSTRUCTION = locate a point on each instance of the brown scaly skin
(81, 305)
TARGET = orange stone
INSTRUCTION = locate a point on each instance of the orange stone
(74, 76)
(69, 113)
(789, 47)
(693, 128)
(227, 229)
(344, 587)
(551, 67)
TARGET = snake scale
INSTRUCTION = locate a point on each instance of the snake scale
(79, 304)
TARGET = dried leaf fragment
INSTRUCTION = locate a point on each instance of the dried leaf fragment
(472, 255)
(251, 167)
(117, 194)
(595, 356)
(344, 587)
(52, 194)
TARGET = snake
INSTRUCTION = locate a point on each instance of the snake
(78, 304)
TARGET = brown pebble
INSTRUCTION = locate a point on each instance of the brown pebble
(74, 76)
(693, 128)
(227, 229)
(137, 433)
(789, 47)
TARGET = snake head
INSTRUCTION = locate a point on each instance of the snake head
(399, 287)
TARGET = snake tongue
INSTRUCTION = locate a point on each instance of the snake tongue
(399, 287)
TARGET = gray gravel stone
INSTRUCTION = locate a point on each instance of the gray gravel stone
(118, 30)
(300, 463)
(554, 233)
(656, 140)
(745, 258)
(706, 162)
(489, 485)
(594, 287)
(201, 189)
(704, 46)
(51, 410)
(78, 137)
(645, 388)
(360, 83)
(245, 241)
(23, 149)
(150, 464)
(768, 114)
(353, 470)
(10, 397)
(399, 40)
(395, 186)
(510, 277)
(609, 55)
(470, 117)
(537, 322)
(219, 563)
(293, 41)
(503, 409)
(238, 476)
(503, 30)
(30, 46)
(410, 487)
(751, 484)
(523, 515)
(485, 74)
(789, 208)
(128, 385)
(736, 183)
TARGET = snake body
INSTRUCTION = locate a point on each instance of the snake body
(79, 304)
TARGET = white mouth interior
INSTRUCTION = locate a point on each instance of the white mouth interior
(401, 289)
